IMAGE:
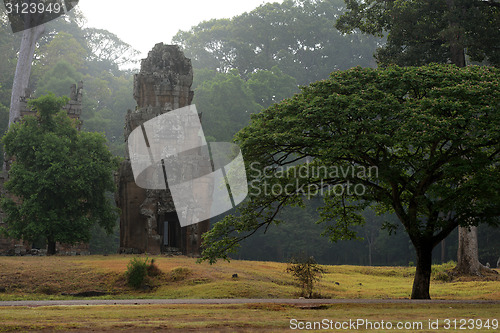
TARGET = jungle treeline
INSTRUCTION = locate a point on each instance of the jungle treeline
(242, 65)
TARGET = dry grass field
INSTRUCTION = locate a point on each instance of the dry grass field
(237, 318)
(37, 278)
(43, 278)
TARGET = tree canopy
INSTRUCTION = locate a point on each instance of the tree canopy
(420, 32)
(227, 101)
(422, 142)
(59, 178)
(298, 36)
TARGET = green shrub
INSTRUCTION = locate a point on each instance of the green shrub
(137, 270)
(442, 276)
(306, 272)
(441, 272)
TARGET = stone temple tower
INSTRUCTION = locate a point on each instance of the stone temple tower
(148, 221)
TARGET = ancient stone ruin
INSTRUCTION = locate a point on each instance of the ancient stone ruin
(18, 247)
(74, 106)
(148, 221)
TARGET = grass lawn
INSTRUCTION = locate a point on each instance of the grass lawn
(37, 278)
(244, 318)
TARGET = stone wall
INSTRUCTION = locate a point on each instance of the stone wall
(73, 108)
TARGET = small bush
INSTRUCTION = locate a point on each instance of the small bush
(179, 274)
(306, 272)
(138, 270)
(441, 272)
(442, 276)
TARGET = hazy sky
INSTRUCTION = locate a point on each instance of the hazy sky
(144, 23)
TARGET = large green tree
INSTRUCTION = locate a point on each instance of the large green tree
(62, 47)
(23, 67)
(420, 31)
(59, 79)
(226, 104)
(59, 178)
(9, 45)
(422, 142)
(298, 36)
(226, 101)
(106, 47)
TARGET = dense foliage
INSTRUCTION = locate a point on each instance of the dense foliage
(298, 36)
(59, 177)
(422, 142)
(67, 53)
(227, 101)
(420, 32)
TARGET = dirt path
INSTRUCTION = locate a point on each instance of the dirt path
(304, 302)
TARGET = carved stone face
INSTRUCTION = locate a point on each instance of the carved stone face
(165, 79)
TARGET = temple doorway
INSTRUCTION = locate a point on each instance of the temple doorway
(170, 231)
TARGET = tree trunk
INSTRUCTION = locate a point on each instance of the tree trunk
(23, 70)
(457, 53)
(51, 247)
(468, 254)
(455, 37)
(422, 280)
(369, 254)
(443, 251)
